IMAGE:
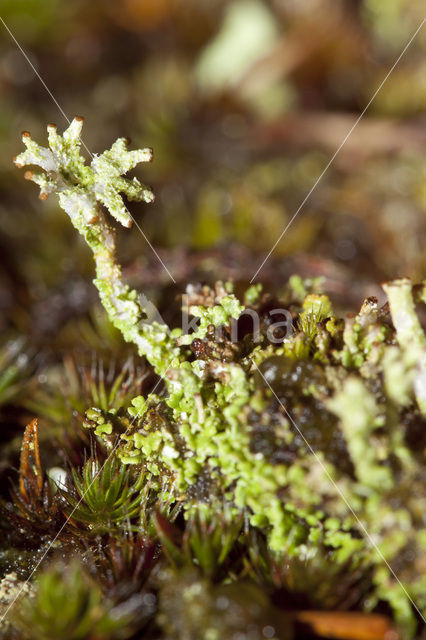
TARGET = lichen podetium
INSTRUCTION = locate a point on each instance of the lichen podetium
(355, 388)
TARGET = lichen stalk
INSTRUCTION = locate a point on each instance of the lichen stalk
(82, 189)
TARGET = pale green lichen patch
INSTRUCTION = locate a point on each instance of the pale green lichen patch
(218, 315)
(283, 430)
(359, 419)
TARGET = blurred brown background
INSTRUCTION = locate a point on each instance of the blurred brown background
(244, 102)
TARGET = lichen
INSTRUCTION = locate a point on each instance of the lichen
(81, 189)
(284, 430)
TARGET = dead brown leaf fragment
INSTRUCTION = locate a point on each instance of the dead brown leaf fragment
(30, 470)
(348, 625)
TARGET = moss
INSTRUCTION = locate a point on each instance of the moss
(86, 614)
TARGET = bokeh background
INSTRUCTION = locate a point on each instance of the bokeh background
(244, 102)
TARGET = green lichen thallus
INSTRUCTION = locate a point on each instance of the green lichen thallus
(222, 436)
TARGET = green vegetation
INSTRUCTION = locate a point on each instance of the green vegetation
(85, 614)
(282, 448)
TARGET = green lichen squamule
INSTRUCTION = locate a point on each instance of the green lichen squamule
(212, 428)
